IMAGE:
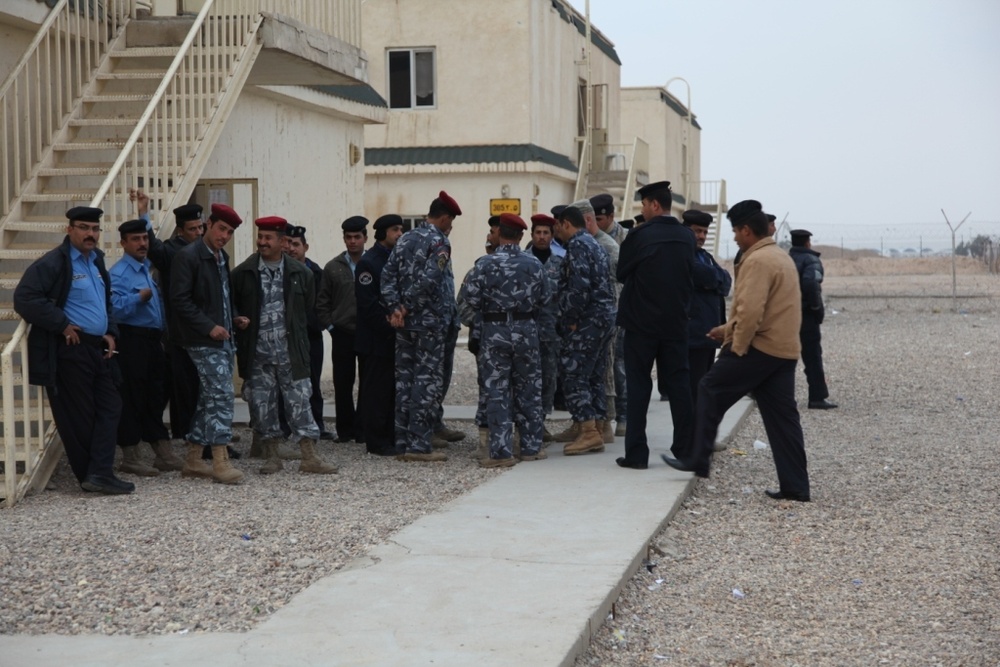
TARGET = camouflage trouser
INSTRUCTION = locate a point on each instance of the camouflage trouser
(269, 383)
(419, 387)
(448, 365)
(609, 375)
(212, 423)
(621, 396)
(582, 363)
(511, 378)
(550, 373)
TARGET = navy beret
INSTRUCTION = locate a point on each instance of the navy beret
(355, 223)
(84, 214)
(132, 227)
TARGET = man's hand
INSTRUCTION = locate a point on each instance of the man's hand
(109, 342)
(70, 333)
(241, 322)
(398, 318)
(141, 199)
(218, 333)
(145, 294)
(718, 334)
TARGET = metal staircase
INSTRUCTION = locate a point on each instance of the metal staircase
(84, 119)
(616, 169)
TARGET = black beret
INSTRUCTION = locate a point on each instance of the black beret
(84, 214)
(355, 223)
(132, 227)
(771, 218)
(639, 219)
(295, 231)
(699, 218)
(494, 221)
(386, 221)
(743, 210)
(800, 233)
(603, 204)
(647, 190)
(187, 212)
(557, 209)
(627, 223)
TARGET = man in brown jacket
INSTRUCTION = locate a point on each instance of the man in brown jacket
(760, 347)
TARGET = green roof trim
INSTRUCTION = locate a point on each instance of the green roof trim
(362, 93)
(598, 40)
(679, 108)
(467, 155)
(679, 198)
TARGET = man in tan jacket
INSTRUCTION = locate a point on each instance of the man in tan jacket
(760, 347)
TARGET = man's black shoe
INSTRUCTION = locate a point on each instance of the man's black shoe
(822, 405)
(108, 484)
(326, 435)
(663, 397)
(343, 438)
(625, 463)
(389, 451)
(782, 495)
(683, 466)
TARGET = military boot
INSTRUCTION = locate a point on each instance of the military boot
(257, 447)
(607, 432)
(589, 440)
(166, 460)
(515, 446)
(311, 462)
(439, 443)
(132, 463)
(287, 452)
(222, 470)
(483, 450)
(269, 447)
(497, 463)
(569, 435)
(546, 436)
(194, 465)
(450, 434)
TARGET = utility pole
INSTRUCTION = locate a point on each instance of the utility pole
(954, 280)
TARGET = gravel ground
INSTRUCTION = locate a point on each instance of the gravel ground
(895, 561)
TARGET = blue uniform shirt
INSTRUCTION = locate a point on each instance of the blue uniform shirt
(85, 306)
(128, 277)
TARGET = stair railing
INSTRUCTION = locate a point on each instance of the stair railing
(639, 162)
(47, 82)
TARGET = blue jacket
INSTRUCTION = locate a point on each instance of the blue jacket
(708, 303)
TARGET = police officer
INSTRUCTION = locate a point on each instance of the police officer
(276, 292)
(810, 270)
(418, 289)
(507, 289)
(548, 334)
(375, 341)
(586, 318)
(138, 310)
(65, 296)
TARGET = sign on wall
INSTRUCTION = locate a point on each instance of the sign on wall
(498, 206)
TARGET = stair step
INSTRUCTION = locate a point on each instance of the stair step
(118, 98)
(51, 226)
(110, 144)
(59, 195)
(9, 283)
(103, 122)
(22, 253)
(75, 171)
(146, 52)
(131, 75)
(7, 312)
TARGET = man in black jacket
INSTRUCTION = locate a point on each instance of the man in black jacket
(66, 297)
(655, 264)
(202, 303)
(811, 282)
(375, 342)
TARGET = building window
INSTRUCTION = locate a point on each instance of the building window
(411, 222)
(411, 78)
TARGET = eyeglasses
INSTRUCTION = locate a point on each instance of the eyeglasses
(88, 228)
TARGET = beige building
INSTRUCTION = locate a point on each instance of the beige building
(487, 101)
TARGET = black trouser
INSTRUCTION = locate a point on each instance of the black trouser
(641, 351)
(345, 365)
(141, 359)
(772, 381)
(377, 406)
(85, 407)
(812, 357)
(184, 388)
(700, 360)
(315, 371)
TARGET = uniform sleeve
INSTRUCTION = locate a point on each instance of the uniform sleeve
(749, 302)
(123, 301)
(33, 303)
(810, 281)
(426, 285)
(183, 277)
(324, 297)
(576, 284)
(391, 298)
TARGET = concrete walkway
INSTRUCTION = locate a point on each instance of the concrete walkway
(519, 571)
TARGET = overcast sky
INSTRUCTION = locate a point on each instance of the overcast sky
(859, 120)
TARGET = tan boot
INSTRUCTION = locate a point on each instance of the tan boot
(607, 432)
(269, 451)
(497, 463)
(287, 452)
(166, 460)
(311, 462)
(132, 463)
(483, 450)
(421, 456)
(540, 456)
(589, 440)
(569, 435)
(194, 465)
(546, 436)
(222, 471)
(450, 434)
(439, 443)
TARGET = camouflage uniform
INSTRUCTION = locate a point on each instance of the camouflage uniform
(586, 299)
(507, 289)
(418, 276)
(614, 375)
(548, 334)
(471, 319)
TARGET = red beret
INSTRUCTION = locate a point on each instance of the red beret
(450, 203)
(226, 215)
(542, 220)
(511, 220)
(272, 223)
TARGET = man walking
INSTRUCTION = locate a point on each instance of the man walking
(810, 270)
(138, 309)
(338, 314)
(760, 347)
(655, 264)
(201, 299)
(508, 289)
(418, 289)
(66, 298)
(274, 292)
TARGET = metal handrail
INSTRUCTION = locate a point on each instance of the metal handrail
(640, 154)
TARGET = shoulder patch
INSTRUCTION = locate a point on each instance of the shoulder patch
(365, 278)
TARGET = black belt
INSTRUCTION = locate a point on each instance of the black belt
(142, 332)
(88, 339)
(507, 317)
